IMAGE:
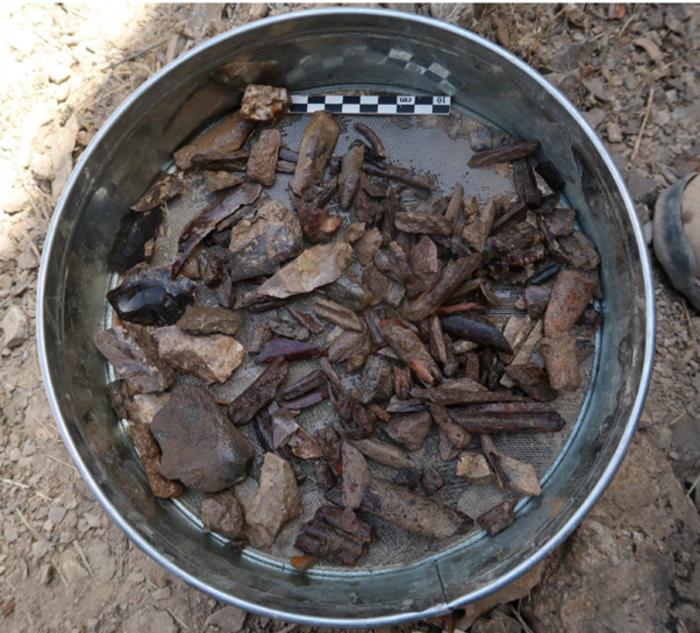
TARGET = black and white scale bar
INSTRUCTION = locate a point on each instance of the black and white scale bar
(370, 104)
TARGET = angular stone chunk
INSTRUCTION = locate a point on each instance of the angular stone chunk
(264, 103)
(227, 135)
(473, 466)
(350, 174)
(521, 477)
(212, 358)
(151, 297)
(410, 429)
(275, 503)
(149, 453)
(532, 379)
(221, 512)
(133, 355)
(261, 242)
(209, 320)
(201, 448)
(142, 407)
(315, 267)
(262, 162)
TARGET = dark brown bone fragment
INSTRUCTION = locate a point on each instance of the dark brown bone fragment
(455, 208)
(375, 142)
(306, 383)
(335, 535)
(453, 275)
(507, 416)
(310, 399)
(560, 222)
(221, 160)
(411, 350)
(357, 421)
(316, 149)
(431, 481)
(350, 175)
(503, 154)
(561, 360)
(383, 453)
(406, 176)
(411, 222)
(525, 184)
(536, 299)
(494, 459)
(396, 405)
(457, 436)
(338, 314)
(218, 180)
(288, 349)
(306, 319)
(571, 294)
(462, 391)
(413, 512)
(375, 385)
(402, 382)
(207, 220)
(165, 187)
(478, 331)
(258, 394)
(391, 208)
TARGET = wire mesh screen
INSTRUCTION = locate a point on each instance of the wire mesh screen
(438, 145)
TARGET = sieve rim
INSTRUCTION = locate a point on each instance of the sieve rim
(553, 541)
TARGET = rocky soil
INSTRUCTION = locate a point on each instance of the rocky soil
(632, 566)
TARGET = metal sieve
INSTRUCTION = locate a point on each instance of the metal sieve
(404, 577)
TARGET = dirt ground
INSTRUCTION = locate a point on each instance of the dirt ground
(631, 566)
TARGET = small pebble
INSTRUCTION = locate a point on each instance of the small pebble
(56, 514)
(27, 260)
(614, 132)
(229, 619)
(58, 73)
(161, 594)
(62, 92)
(15, 327)
(15, 201)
